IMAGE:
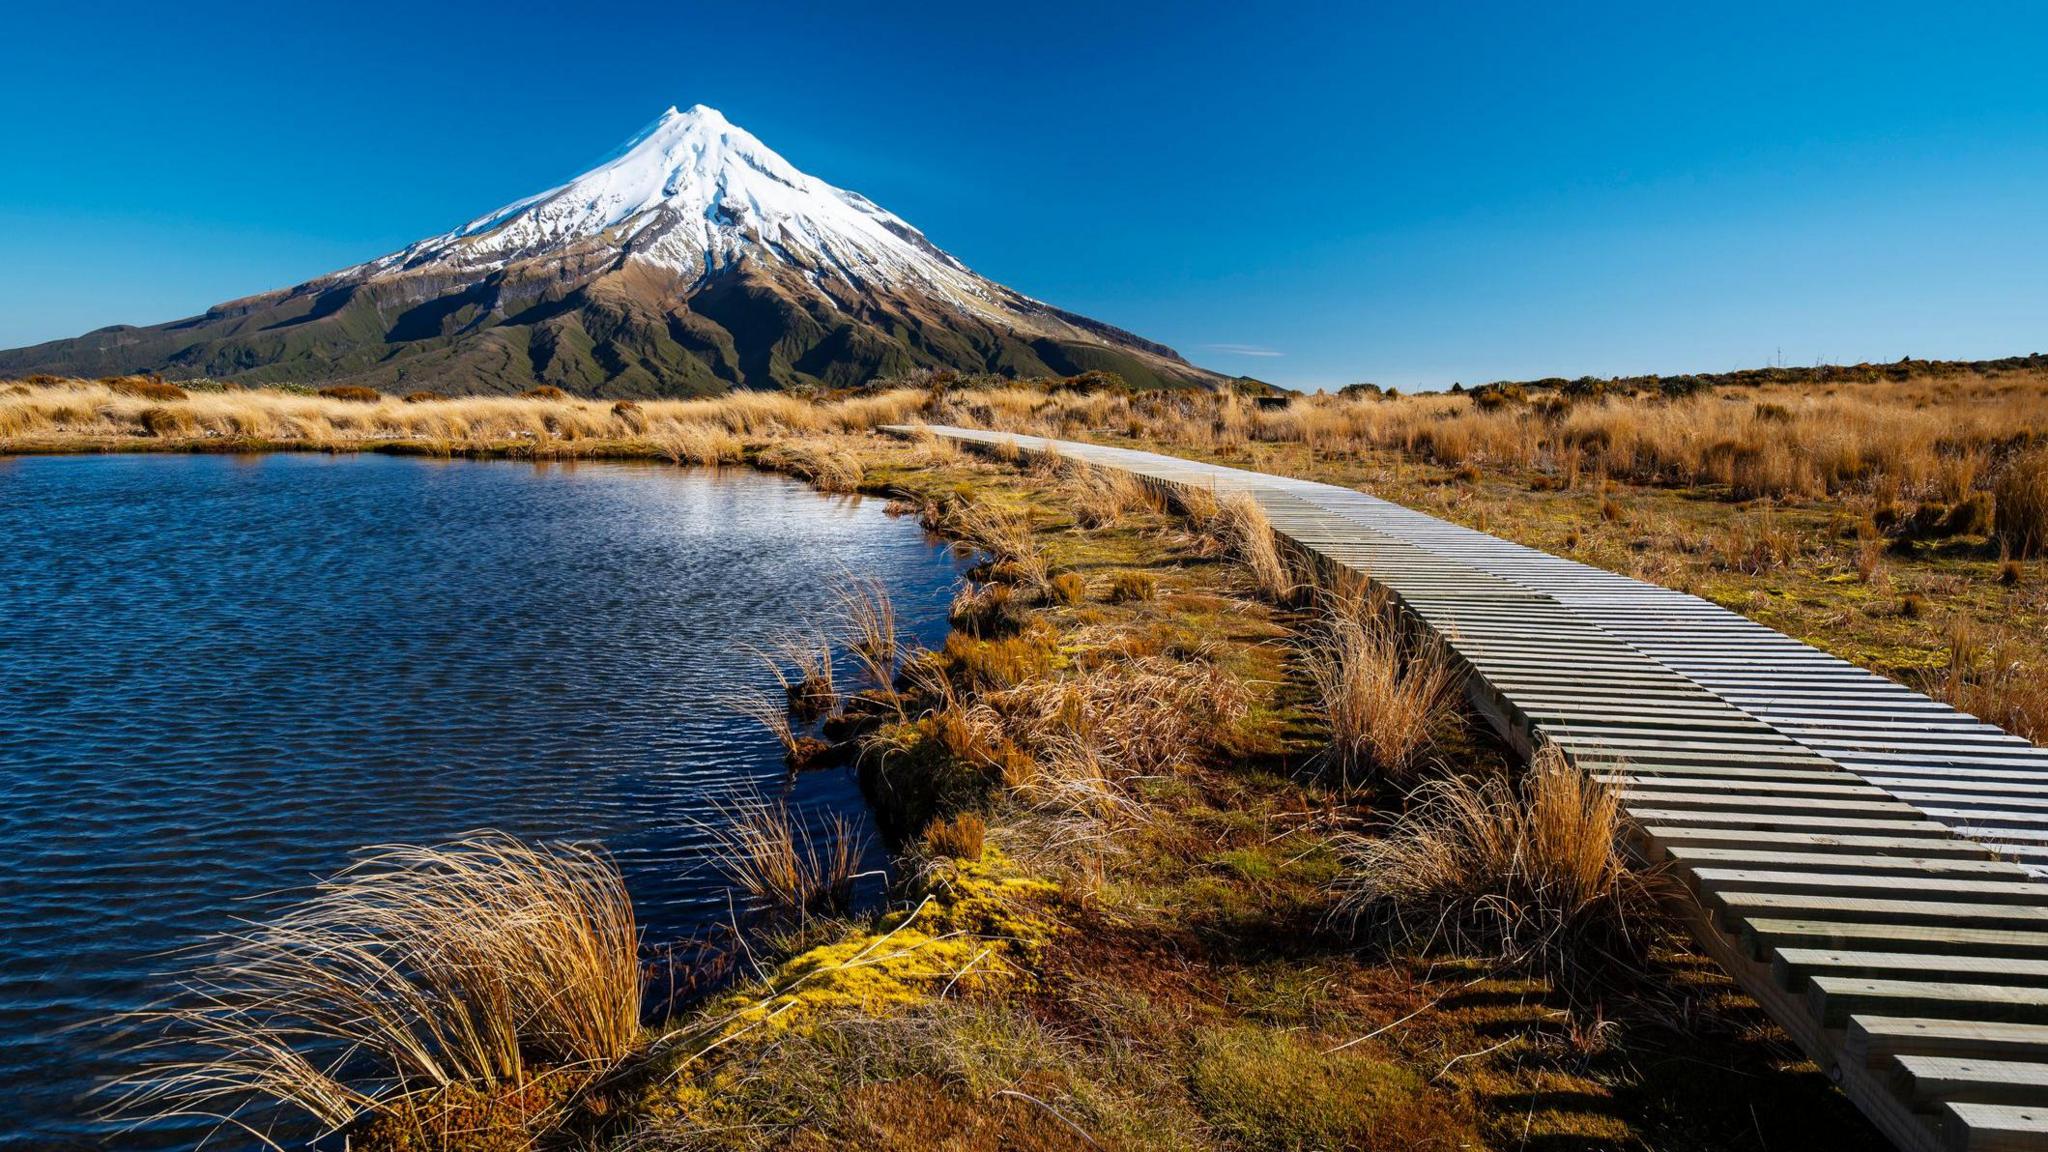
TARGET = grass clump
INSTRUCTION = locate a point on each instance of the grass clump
(824, 464)
(767, 852)
(962, 837)
(164, 421)
(1535, 874)
(350, 394)
(986, 610)
(1069, 588)
(144, 387)
(2022, 504)
(1249, 536)
(419, 984)
(1131, 586)
(1384, 692)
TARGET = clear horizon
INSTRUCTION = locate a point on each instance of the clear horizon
(1331, 196)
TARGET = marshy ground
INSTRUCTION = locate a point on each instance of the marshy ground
(1137, 905)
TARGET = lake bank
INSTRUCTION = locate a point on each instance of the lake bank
(220, 676)
(1152, 953)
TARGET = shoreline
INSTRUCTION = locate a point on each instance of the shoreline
(1188, 916)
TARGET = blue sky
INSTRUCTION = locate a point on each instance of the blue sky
(1314, 196)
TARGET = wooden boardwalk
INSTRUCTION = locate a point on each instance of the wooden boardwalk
(1867, 862)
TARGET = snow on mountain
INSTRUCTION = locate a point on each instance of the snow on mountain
(694, 193)
(692, 260)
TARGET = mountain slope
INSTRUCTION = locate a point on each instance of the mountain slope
(691, 260)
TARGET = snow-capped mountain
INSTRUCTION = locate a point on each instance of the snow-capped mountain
(691, 259)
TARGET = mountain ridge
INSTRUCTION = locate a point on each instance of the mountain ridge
(691, 259)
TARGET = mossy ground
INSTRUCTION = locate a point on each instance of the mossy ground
(1187, 987)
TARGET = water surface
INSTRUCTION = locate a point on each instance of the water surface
(218, 675)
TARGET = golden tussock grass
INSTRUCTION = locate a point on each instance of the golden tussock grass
(1987, 678)
(417, 976)
(827, 466)
(1100, 498)
(1534, 873)
(1929, 438)
(2022, 504)
(699, 430)
(1009, 538)
(867, 620)
(1384, 691)
(1249, 536)
(765, 851)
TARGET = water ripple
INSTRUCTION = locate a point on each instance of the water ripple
(218, 675)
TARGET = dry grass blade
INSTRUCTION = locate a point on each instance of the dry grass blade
(765, 850)
(482, 964)
(868, 627)
(1535, 874)
(1249, 536)
(811, 690)
(1383, 692)
(1008, 538)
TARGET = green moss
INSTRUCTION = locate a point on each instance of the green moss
(973, 929)
(1276, 1091)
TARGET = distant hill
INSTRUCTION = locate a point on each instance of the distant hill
(692, 260)
(1896, 370)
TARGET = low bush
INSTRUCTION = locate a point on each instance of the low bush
(545, 392)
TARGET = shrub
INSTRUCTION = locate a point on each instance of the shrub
(417, 980)
(350, 393)
(424, 396)
(545, 392)
(1536, 874)
(1384, 696)
(1130, 586)
(2022, 504)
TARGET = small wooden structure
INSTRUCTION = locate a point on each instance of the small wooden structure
(1866, 862)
